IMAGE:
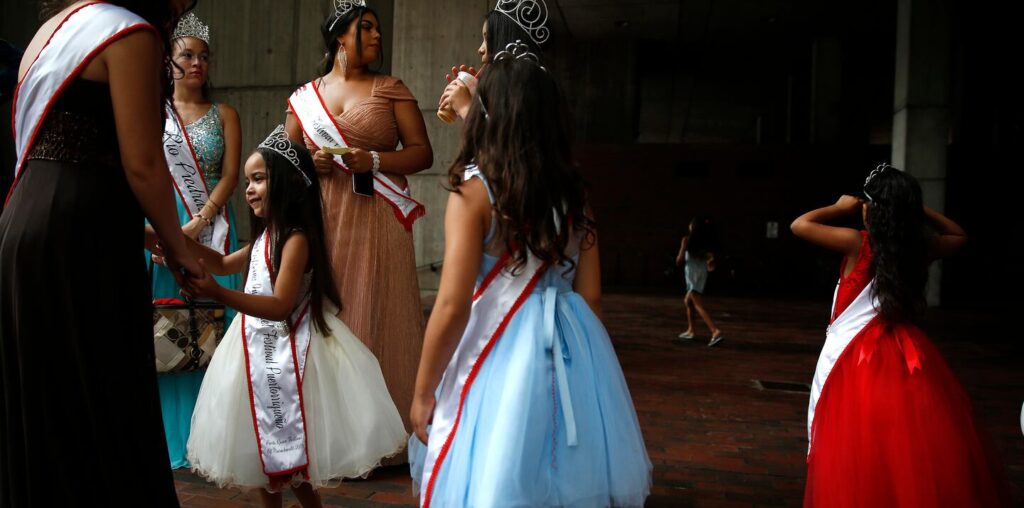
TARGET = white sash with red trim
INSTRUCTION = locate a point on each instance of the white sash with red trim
(275, 357)
(844, 328)
(495, 302)
(189, 182)
(83, 34)
(319, 126)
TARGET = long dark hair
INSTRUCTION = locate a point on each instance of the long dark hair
(157, 12)
(703, 237)
(330, 30)
(896, 228)
(502, 31)
(207, 88)
(519, 133)
(293, 206)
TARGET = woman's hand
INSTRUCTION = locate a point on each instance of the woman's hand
(849, 204)
(458, 97)
(421, 414)
(193, 227)
(358, 160)
(324, 162)
(203, 284)
(462, 68)
(183, 266)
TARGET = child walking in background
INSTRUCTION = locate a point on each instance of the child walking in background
(523, 392)
(888, 422)
(291, 398)
(697, 258)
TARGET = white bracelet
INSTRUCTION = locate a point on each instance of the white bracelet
(376, 161)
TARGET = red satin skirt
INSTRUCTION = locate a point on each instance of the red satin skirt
(894, 428)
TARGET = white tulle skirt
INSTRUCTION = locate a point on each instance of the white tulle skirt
(351, 420)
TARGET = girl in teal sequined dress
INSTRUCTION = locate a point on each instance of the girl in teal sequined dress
(214, 132)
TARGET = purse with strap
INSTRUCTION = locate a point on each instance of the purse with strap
(185, 333)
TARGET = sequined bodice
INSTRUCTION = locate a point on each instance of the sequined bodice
(207, 136)
(79, 127)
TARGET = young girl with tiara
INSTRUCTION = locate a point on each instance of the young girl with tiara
(888, 422)
(525, 398)
(291, 397)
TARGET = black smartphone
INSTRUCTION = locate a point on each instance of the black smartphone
(362, 184)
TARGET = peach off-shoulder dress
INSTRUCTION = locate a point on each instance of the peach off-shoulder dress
(371, 252)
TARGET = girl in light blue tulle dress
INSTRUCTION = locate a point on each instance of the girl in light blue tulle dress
(214, 135)
(520, 399)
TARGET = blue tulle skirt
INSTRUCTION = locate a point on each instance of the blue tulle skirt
(511, 446)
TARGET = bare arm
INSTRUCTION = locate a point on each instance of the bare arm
(416, 153)
(214, 261)
(951, 237)
(276, 307)
(465, 224)
(588, 276)
(681, 257)
(232, 155)
(134, 69)
(812, 227)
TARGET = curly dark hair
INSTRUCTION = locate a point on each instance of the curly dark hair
(519, 133)
(294, 206)
(896, 229)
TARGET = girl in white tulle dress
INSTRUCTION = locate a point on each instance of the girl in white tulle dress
(291, 398)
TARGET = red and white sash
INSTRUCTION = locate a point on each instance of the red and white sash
(275, 358)
(80, 36)
(320, 127)
(495, 302)
(190, 183)
(844, 328)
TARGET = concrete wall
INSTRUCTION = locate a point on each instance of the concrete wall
(423, 51)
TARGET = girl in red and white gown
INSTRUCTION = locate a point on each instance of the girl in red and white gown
(889, 424)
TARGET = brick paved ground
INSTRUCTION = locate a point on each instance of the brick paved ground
(716, 440)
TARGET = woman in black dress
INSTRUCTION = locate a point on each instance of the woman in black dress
(80, 411)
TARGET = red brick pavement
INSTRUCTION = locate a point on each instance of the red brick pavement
(715, 439)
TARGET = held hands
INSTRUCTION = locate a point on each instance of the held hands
(457, 97)
(421, 415)
(849, 204)
(202, 284)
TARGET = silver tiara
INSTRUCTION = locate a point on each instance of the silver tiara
(530, 15)
(278, 141)
(190, 26)
(341, 8)
(517, 51)
(871, 176)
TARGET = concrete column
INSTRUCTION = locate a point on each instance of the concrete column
(422, 53)
(921, 118)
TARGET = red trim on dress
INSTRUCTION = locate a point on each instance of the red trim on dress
(406, 221)
(472, 376)
(502, 261)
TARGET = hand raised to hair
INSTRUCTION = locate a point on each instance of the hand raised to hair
(849, 204)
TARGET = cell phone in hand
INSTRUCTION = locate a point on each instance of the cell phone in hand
(362, 184)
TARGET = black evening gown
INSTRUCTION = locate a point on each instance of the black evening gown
(80, 411)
